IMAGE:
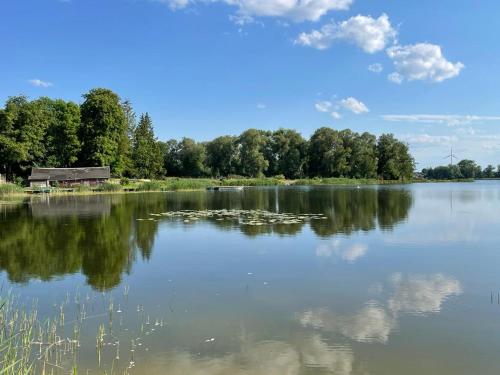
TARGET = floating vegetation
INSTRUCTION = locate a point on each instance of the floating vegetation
(242, 217)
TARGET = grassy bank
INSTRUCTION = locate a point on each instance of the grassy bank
(187, 184)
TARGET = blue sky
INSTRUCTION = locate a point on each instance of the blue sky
(427, 71)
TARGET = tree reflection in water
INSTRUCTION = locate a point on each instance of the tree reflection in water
(100, 236)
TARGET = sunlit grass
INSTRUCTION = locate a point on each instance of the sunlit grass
(9, 188)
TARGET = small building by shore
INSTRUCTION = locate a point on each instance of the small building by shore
(67, 177)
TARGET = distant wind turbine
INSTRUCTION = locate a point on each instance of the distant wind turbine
(451, 156)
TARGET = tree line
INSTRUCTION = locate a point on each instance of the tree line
(104, 130)
(465, 169)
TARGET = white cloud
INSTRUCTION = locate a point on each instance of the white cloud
(177, 4)
(395, 77)
(423, 62)
(354, 105)
(335, 115)
(375, 68)
(429, 139)
(40, 83)
(370, 34)
(261, 106)
(323, 106)
(297, 10)
(451, 120)
(241, 19)
(422, 294)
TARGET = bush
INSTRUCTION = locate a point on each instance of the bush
(124, 181)
(19, 181)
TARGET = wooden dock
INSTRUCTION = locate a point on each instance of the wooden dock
(225, 188)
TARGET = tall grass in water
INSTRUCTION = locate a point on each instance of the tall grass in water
(10, 189)
(52, 346)
(264, 181)
(16, 337)
(29, 346)
(108, 187)
(342, 181)
(172, 184)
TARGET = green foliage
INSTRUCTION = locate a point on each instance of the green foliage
(124, 181)
(489, 172)
(251, 144)
(287, 154)
(103, 131)
(61, 139)
(147, 158)
(394, 159)
(191, 156)
(171, 162)
(222, 156)
(466, 170)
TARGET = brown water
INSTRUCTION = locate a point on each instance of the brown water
(370, 280)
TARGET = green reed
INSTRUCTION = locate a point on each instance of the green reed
(30, 346)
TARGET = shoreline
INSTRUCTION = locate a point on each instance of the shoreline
(200, 184)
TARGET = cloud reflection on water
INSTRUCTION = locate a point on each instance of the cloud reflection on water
(349, 253)
(262, 358)
(414, 294)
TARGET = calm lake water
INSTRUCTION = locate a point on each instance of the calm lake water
(383, 280)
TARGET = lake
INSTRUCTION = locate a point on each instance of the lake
(372, 280)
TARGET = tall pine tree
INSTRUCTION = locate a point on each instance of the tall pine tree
(147, 157)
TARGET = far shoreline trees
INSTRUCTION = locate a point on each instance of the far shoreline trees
(464, 169)
(104, 130)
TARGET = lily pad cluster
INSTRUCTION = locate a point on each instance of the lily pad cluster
(243, 217)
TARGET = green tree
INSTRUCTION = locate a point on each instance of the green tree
(394, 159)
(147, 158)
(61, 138)
(327, 155)
(288, 154)
(251, 145)
(171, 160)
(192, 157)
(131, 124)
(23, 126)
(364, 157)
(489, 172)
(469, 168)
(103, 131)
(221, 156)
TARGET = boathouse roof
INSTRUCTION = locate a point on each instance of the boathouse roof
(69, 174)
